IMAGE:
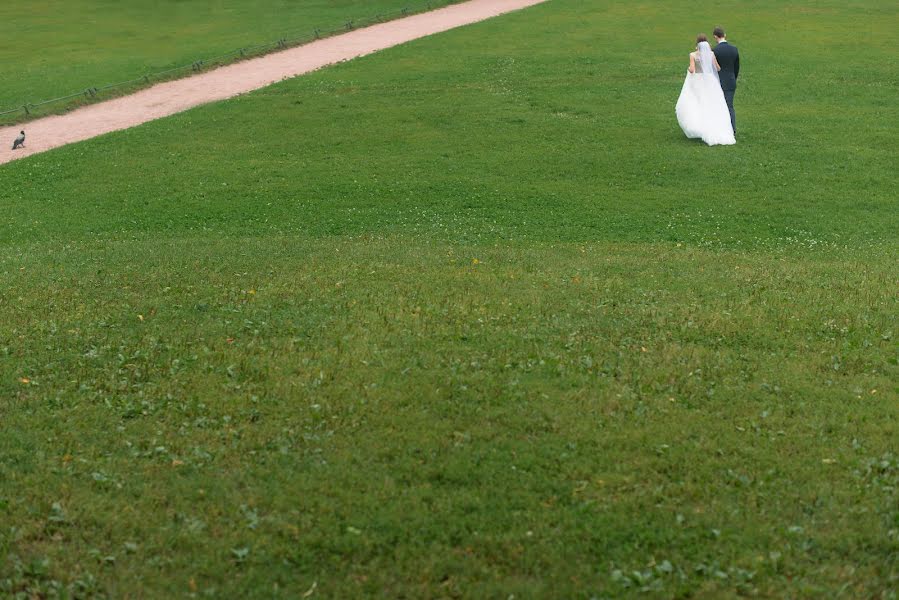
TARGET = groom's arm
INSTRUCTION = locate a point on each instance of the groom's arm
(737, 66)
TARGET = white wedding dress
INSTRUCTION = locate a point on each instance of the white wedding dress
(701, 109)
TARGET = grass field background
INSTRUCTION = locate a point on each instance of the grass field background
(61, 47)
(469, 318)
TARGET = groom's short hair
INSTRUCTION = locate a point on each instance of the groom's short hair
(718, 33)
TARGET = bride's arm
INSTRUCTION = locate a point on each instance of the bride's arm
(692, 67)
(717, 66)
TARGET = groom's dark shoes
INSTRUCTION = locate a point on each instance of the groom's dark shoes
(729, 61)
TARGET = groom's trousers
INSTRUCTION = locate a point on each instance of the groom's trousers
(729, 98)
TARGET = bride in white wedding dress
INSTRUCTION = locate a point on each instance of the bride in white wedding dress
(701, 109)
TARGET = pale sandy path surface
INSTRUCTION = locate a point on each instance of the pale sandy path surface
(172, 97)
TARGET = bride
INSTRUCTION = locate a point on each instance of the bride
(701, 109)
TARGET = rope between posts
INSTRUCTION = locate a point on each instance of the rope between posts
(243, 52)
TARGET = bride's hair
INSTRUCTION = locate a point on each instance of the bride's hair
(701, 38)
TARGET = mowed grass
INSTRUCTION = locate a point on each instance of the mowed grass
(469, 318)
(60, 47)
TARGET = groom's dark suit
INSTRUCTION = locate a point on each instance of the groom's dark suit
(729, 61)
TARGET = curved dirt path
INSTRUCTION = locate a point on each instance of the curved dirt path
(171, 97)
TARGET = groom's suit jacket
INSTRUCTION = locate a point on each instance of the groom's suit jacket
(729, 61)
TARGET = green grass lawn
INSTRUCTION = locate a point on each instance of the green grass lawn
(468, 318)
(60, 47)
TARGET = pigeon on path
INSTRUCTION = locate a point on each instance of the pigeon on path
(20, 141)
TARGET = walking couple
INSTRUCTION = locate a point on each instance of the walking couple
(705, 108)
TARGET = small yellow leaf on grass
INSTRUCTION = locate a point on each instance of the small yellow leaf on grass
(828, 461)
(24, 380)
(177, 463)
(251, 292)
(475, 261)
(140, 318)
(67, 458)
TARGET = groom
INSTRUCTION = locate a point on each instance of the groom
(729, 61)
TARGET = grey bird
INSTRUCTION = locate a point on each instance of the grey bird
(20, 141)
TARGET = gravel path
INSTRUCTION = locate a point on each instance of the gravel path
(175, 96)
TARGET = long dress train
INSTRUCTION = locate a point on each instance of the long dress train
(701, 109)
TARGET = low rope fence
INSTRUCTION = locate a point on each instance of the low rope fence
(91, 93)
